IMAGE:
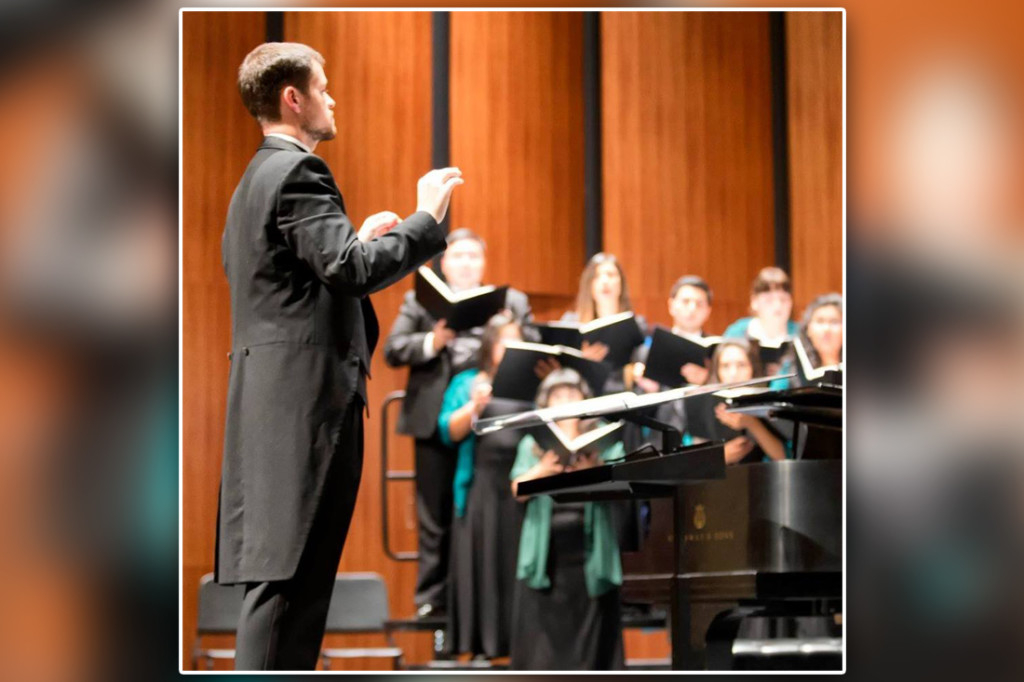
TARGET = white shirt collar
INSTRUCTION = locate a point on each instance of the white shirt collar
(291, 139)
(680, 332)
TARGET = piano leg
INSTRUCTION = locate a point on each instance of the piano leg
(684, 656)
(682, 630)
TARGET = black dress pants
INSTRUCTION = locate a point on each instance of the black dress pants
(435, 469)
(281, 626)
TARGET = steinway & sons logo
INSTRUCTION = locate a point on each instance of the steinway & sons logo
(700, 520)
(699, 517)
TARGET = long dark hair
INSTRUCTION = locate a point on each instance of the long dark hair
(831, 299)
(746, 347)
(491, 333)
(586, 309)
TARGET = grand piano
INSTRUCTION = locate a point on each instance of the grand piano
(746, 560)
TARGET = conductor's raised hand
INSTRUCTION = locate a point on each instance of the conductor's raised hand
(378, 224)
(434, 191)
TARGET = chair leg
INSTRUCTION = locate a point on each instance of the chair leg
(326, 661)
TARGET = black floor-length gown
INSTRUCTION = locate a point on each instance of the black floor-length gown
(562, 627)
(485, 544)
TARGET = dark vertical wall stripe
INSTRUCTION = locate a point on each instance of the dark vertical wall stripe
(780, 138)
(440, 154)
(275, 27)
(592, 199)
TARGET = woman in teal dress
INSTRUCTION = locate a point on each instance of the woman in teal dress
(486, 523)
(567, 612)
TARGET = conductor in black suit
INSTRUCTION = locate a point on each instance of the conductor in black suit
(303, 330)
(434, 354)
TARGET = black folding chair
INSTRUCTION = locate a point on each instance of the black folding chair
(219, 606)
(359, 605)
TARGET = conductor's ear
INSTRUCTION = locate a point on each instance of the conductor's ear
(290, 99)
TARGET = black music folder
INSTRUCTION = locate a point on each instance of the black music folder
(700, 413)
(550, 437)
(807, 371)
(517, 379)
(463, 310)
(773, 352)
(620, 333)
(669, 352)
(559, 333)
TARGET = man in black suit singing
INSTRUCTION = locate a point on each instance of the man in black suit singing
(303, 330)
(434, 354)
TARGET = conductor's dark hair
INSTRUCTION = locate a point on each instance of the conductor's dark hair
(491, 333)
(268, 69)
(465, 233)
(691, 281)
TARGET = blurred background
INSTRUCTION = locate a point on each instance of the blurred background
(89, 353)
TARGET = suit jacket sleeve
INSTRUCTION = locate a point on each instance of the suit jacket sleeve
(404, 345)
(311, 217)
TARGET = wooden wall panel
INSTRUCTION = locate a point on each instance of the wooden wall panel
(219, 138)
(687, 153)
(379, 71)
(517, 135)
(814, 75)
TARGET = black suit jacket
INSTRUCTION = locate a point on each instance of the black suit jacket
(428, 378)
(302, 331)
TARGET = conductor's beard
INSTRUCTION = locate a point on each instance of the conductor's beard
(321, 133)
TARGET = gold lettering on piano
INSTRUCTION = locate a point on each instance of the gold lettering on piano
(709, 536)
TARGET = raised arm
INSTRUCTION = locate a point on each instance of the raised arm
(312, 220)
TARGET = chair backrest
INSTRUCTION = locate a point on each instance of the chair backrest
(219, 606)
(359, 603)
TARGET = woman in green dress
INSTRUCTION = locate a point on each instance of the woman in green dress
(567, 612)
